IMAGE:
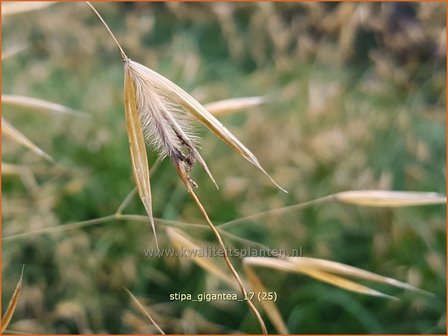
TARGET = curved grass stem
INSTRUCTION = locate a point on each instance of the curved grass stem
(227, 259)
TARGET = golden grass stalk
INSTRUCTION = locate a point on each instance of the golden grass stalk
(181, 240)
(39, 104)
(228, 106)
(343, 283)
(18, 7)
(17, 136)
(269, 306)
(226, 257)
(6, 319)
(386, 198)
(144, 311)
(347, 270)
(330, 272)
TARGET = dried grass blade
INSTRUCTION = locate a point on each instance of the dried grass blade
(228, 106)
(138, 149)
(144, 311)
(380, 198)
(275, 263)
(347, 270)
(323, 270)
(17, 7)
(343, 283)
(6, 319)
(232, 269)
(182, 241)
(39, 104)
(14, 134)
(269, 306)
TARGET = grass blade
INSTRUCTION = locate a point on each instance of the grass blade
(347, 270)
(228, 106)
(144, 311)
(393, 199)
(269, 306)
(325, 270)
(39, 104)
(182, 241)
(15, 135)
(288, 266)
(218, 236)
(343, 283)
(6, 319)
(137, 148)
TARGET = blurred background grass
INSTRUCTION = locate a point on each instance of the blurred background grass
(356, 101)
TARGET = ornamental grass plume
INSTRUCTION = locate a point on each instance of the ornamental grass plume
(158, 111)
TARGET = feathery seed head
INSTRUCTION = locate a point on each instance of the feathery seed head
(165, 124)
(158, 110)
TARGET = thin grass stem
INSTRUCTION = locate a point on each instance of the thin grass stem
(277, 211)
(227, 259)
(124, 57)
